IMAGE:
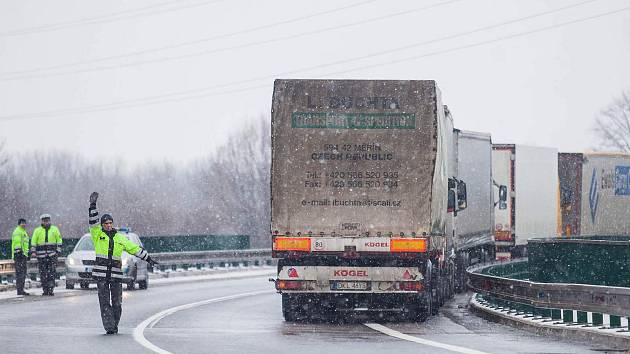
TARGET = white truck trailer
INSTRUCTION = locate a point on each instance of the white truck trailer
(594, 194)
(474, 227)
(362, 202)
(530, 174)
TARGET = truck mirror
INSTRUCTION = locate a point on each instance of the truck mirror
(451, 200)
(451, 183)
(502, 198)
(503, 194)
(462, 197)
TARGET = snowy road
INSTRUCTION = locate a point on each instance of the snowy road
(232, 320)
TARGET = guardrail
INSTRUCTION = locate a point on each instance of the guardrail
(169, 260)
(7, 267)
(211, 257)
(577, 303)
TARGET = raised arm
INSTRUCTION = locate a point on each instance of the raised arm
(93, 216)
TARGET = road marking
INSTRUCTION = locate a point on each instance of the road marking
(138, 332)
(392, 333)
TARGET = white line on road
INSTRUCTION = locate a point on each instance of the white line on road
(138, 332)
(392, 333)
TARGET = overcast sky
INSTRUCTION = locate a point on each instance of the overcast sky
(153, 80)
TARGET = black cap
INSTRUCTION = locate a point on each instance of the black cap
(106, 217)
(21, 221)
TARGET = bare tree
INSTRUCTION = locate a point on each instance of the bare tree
(612, 125)
(227, 192)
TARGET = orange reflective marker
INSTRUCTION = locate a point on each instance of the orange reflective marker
(408, 245)
(292, 244)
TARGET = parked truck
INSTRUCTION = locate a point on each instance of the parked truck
(530, 177)
(474, 227)
(594, 194)
(363, 197)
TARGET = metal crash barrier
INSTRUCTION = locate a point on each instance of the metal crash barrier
(167, 260)
(570, 303)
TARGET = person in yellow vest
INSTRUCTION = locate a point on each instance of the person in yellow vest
(19, 250)
(109, 246)
(46, 246)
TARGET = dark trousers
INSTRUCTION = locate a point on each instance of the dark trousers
(47, 269)
(110, 299)
(20, 272)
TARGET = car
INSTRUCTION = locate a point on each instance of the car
(79, 264)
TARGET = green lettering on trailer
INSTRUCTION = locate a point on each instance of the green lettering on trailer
(330, 120)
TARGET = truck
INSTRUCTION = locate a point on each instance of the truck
(530, 177)
(474, 227)
(363, 198)
(594, 194)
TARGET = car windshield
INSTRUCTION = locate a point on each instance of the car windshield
(133, 238)
(85, 244)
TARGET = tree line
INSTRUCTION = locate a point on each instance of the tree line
(225, 192)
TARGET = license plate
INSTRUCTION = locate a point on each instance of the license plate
(349, 285)
(88, 269)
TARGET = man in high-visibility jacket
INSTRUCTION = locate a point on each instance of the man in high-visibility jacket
(19, 250)
(46, 246)
(109, 246)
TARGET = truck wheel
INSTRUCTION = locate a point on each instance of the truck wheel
(288, 310)
(143, 284)
(131, 285)
(69, 285)
(413, 309)
(450, 285)
(427, 305)
(84, 285)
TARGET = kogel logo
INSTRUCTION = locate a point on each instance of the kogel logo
(350, 273)
(593, 196)
(376, 244)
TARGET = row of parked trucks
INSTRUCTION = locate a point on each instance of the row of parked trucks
(378, 204)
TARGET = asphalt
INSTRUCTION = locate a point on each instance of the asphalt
(70, 323)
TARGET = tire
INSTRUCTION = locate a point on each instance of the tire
(288, 310)
(143, 284)
(427, 306)
(84, 285)
(69, 285)
(131, 285)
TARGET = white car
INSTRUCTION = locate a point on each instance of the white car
(79, 264)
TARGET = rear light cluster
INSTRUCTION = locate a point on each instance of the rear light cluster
(294, 285)
(408, 286)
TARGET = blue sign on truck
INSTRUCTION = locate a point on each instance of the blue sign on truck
(622, 181)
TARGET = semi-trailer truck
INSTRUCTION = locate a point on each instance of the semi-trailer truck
(474, 227)
(530, 174)
(363, 197)
(594, 194)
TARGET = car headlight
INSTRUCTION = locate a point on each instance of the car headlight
(71, 261)
(125, 262)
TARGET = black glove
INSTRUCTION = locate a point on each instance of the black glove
(93, 199)
(151, 261)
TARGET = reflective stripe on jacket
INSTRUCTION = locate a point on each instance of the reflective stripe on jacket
(108, 264)
(19, 241)
(46, 242)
